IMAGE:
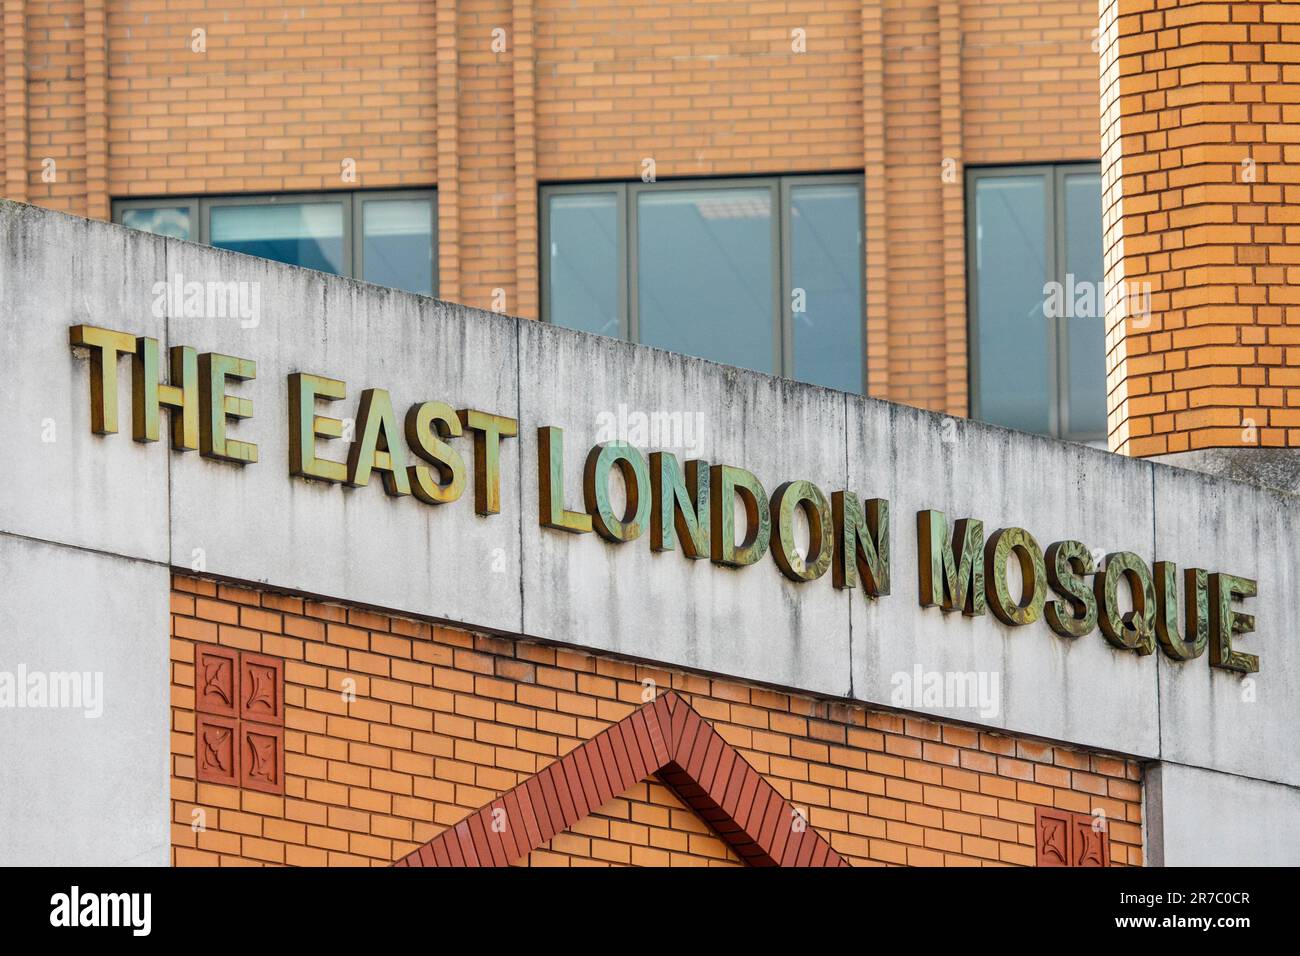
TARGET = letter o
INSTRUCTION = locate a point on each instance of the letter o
(790, 496)
(1033, 572)
(595, 486)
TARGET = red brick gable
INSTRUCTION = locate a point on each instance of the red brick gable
(666, 737)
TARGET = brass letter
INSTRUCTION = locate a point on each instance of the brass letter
(424, 424)
(1134, 631)
(679, 505)
(1197, 610)
(729, 482)
(305, 426)
(215, 406)
(376, 447)
(1068, 562)
(107, 346)
(488, 431)
(952, 579)
(1033, 590)
(595, 488)
(1226, 623)
(861, 543)
(550, 484)
(148, 395)
(821, 539)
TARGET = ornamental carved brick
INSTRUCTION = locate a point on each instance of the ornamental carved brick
(216, 672)
(216, 754)
(261, 685)
(261, 758)
(239, 724)
(1062, 838)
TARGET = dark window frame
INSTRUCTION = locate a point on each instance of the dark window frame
(351, 200)
(1054, 226)
(779, 189)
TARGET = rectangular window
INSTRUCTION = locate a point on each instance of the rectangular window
(1037, 311)
(385, 237)
(764, 273)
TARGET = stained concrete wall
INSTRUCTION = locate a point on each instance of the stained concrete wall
(1198, 817)
(137, 505)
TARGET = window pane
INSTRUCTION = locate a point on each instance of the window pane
(704, 280)
(826, 267)
(1086, 335)
(1011, 269)
(171, 221)
(583, 270)
(397, 243)
(301, 234)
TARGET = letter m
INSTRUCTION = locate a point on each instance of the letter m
(951, 564)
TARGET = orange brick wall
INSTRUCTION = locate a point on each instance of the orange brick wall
(415, 93)
(445, 720)
(648, 826)
(280, 97)
(1202, 202)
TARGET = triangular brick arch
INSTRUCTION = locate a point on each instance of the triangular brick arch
(666, 737)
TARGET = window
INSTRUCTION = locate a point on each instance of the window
(389, 238)
(760, 273)
(1038, 352)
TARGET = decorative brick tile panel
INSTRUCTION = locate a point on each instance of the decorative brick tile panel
(1063, 838)
(239, 726)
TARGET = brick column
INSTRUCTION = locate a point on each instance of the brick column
(15, 100)
(876, 193)
(525, 133)
(1200, 106)
(448, 138)
(96, 45)
(956, 387)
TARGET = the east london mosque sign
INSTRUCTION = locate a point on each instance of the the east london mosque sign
(693, 505)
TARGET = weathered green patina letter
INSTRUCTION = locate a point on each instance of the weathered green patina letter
(679, 504)
(861, 542)
(1225, 623)
(377, 447)
(1033, 575)
(952, 574)
(729, 482)
(595, 488)
(1197, 604)
(1068, 563)
(788, 498)
(1136, 630)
